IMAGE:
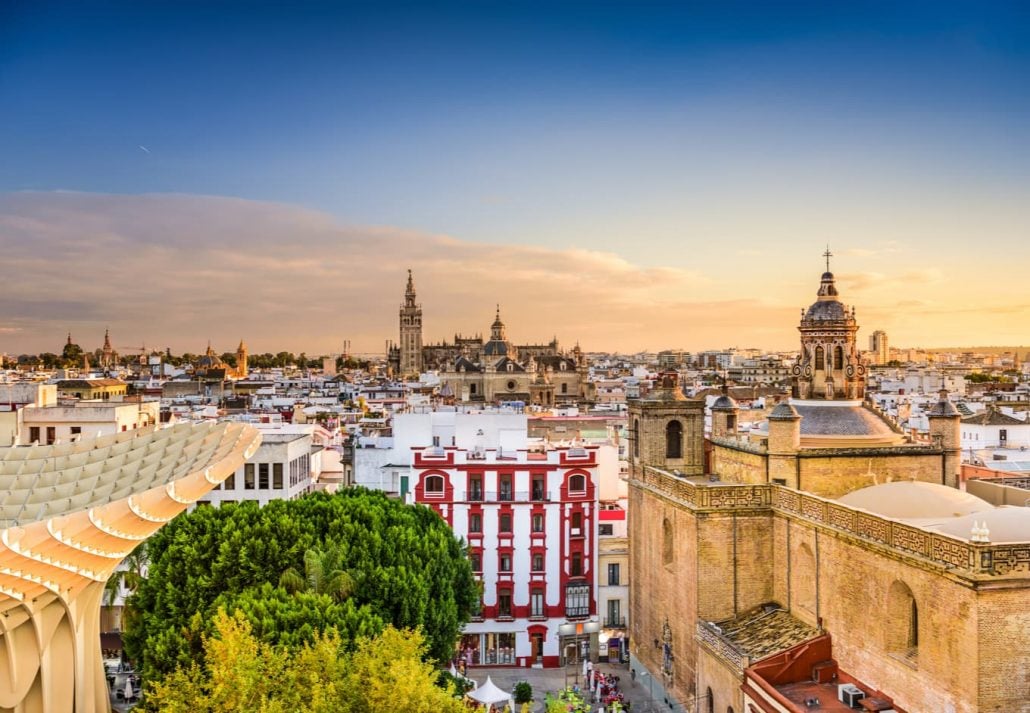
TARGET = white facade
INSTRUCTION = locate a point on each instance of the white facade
(83, 420)
(384, 463)
(282, 469)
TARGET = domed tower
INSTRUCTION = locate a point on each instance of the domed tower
(498, 346)
(411, 332)
(830, 365)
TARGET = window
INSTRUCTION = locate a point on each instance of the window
(76, 430)
(538, 487)
(614, 613)
(230, 482)
(636, 438)
(504, 563)
(577, 599)
(613, 574)
(504, 522)
(538, 563)
(263, 476)
(606, 529)
(505, 487)
(674, 439)
(819, 358)
(477, 562)
(436, 441)
(577, 520)
(33, 434)
(248, 476)
(476, 488)
(838, 358)
(564, 386)
(578, 484)
(903, 613)
(475, 522)
(536, 603)
(504, 603)
(434, 486)
(538, 522)
(277, 476)
(576, 564)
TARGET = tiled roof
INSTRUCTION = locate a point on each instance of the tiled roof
(992, 417)
(765, 630)
(817, 420)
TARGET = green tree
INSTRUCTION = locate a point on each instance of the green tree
(407, 568)
(242, 673)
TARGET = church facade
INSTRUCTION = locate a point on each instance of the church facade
(827, 550)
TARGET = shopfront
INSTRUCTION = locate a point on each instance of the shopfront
(493, 649)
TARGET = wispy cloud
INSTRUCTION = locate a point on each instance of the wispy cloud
(177, 270)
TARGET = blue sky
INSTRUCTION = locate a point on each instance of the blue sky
(679, 134)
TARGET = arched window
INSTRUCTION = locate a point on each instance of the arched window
(674, 439)
(903, 614)
(434, 486)
(838, 358)
(636, 438)
(667, 542)
(578, 484)
(711, 701)
(820, 357)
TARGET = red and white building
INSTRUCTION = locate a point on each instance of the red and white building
(530, 518)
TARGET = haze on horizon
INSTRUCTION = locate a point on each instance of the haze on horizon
(627, 176)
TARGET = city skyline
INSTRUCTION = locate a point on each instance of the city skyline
(626, 177)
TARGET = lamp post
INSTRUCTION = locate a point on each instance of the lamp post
(650, 694)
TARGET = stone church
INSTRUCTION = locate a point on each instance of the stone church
(823, 556)
(491, 371)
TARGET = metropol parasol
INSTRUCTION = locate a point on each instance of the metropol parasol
(69, 514)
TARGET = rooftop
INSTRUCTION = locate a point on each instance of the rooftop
(764, 630)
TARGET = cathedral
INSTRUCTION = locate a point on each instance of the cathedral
(490, 371)
(823, 557)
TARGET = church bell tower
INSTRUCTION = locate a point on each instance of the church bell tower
(829, 366)
(411, 332)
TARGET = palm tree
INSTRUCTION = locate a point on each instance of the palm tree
(129, 577)
(323, 574)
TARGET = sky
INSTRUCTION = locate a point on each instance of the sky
(625, 175)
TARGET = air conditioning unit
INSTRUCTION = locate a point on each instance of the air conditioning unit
(850, 694)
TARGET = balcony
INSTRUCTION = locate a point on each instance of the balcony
(503, 496)
(615, 622)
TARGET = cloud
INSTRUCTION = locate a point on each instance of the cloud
(177, 270)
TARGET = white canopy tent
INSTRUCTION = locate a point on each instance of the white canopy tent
(489, 694)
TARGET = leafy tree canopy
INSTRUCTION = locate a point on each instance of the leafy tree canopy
(367, 561)
(242, 672)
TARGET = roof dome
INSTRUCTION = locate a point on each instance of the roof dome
(826, 312)
(1004, 524)
(828, 307)
(784, 411)
(915, 500)
(724, 402)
